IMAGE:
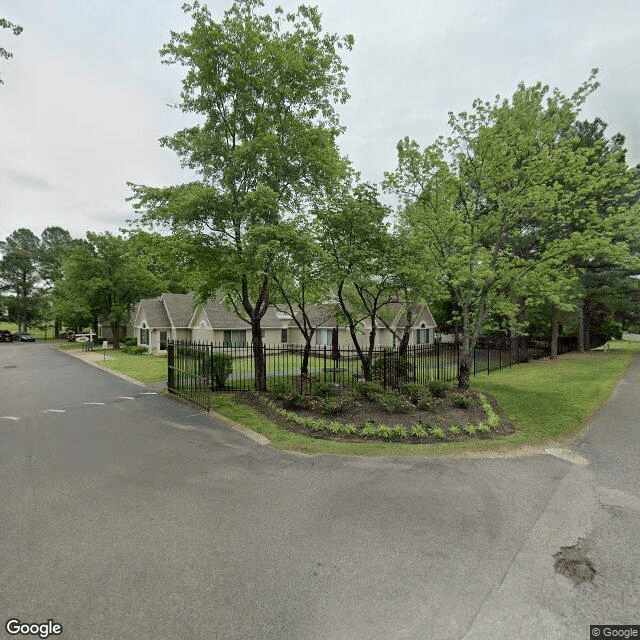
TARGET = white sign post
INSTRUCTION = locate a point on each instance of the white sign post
(105, 346)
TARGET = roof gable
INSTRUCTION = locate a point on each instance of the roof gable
(154, 313)
(179, 308)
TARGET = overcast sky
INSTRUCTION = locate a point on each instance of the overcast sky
(85, 96)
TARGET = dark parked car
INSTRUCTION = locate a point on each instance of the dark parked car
(5, 336)
(23, 336)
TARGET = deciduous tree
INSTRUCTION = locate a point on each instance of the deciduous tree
(263, 89)
(103, 280)
(20, 276)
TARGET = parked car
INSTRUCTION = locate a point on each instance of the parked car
(23, 336)
(5, 335)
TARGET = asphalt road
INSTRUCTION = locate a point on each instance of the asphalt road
(125, 515)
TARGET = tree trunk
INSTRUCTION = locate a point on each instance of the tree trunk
(581, 327)
(306, 354)
(116, 331)
(587, 325)
(404, 344)
(514, 344)
(464, 368)
(464, 361)
(259, 361)
(554, 332)
(365, 361)
(56, 329)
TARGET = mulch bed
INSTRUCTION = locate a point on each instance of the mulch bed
(445, 414)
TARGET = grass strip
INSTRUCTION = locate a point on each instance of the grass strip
(145, 368)
(549, 399)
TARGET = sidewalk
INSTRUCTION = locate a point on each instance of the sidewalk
(89, 356)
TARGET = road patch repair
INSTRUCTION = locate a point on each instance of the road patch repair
(573, 563)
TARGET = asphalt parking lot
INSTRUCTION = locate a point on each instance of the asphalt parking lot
(127, 515)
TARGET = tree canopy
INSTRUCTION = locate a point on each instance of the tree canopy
(492, 205)
(264, 88)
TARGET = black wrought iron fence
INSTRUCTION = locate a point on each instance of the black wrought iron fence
(197, 368)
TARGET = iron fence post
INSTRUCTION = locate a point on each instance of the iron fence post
(170, 383)
(384, 369)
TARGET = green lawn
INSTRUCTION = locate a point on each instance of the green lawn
(549, 399)
(545, 399)
(146, 368)
(70, 346)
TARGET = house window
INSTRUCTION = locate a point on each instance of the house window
(235, 338)
(423, 335)
(163, 341)
(144, 336)
(284, 335)
(323, 336)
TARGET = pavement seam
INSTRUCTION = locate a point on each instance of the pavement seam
(496, 586)
(569, 535)
(526, 540)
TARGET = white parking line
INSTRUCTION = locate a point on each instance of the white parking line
(124, 398)
(55, 411)
(96, 403)
(9, 418)
(147, 393)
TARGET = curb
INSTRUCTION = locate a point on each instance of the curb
(124, 376)
(236, 426)
(258, 438)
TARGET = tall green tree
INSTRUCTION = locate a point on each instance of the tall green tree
(166, 257)
(472, 198)
(301, 289)
(55, 242)
(263, 88)
(103, 280)
(352, 228)
(20, 276)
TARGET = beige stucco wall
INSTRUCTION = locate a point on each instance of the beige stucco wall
(142, 320)
(272, 337)
(180, 334)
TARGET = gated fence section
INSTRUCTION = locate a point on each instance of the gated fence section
(197, 368)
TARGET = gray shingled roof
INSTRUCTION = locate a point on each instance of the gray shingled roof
(179, 308)
(394, 314)
(220, 317)
(320, 315)
(154, 312)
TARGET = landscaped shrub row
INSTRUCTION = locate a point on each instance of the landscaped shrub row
(399, 433)
(427, 398)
